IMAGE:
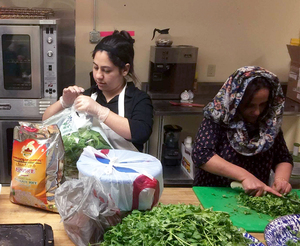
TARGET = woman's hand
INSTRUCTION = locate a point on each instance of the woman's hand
(283, 172)
(88, 105)
(69, 95)
(254, 187)
(282, 185)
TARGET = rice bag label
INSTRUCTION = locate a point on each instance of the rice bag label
(29, 172)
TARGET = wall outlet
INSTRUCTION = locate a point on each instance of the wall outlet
(211, 70)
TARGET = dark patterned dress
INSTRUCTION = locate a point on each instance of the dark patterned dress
(212, 139)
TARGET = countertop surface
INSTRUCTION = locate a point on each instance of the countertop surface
(14, 213)
(164, 107)
(204, 94)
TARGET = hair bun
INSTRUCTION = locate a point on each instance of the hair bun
(125, 35)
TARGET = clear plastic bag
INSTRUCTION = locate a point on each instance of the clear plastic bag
(86, 210)
(77, 132)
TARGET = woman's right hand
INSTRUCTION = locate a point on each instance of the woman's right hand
(70, 94)
(255, 187)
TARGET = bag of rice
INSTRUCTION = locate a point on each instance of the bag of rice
(37, 165)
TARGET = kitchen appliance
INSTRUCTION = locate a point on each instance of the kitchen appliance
(164, 39)
(171, 154)
(172, 70)
(28, 67)
(36, 62)
(6, 141)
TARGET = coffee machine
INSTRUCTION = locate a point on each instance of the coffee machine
(172, 70)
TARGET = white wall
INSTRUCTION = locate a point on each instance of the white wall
(228, 33)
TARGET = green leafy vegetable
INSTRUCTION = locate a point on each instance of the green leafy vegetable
(270, 204)
(176, 225)
(74, 144)
(292, 243)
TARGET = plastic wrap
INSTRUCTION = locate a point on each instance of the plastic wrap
(77, 132)
(86, 210)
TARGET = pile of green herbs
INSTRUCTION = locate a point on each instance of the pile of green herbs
(185, 225)
(296, 234)
(271, 205)
(292, 243)
(74, 144)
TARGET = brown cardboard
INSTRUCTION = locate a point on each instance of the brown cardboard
(293, 88)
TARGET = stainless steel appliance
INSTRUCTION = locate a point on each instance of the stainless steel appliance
(172, 70)
(6, 140)
(28, 67)
(36, 63)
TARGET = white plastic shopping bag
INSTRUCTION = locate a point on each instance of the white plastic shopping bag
(134, 180)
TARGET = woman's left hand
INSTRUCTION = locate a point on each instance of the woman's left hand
(91, 107)
(282, 186)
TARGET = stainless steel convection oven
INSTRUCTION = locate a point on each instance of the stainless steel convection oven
(28, 77)
(32, 56)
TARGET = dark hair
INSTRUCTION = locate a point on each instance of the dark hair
(119, 47)
(254, 86)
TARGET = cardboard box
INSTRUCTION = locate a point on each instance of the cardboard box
(186, 161)
(293, 88)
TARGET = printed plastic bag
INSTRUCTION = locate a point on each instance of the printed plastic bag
(86, 210)
(37, 165)
(134, 180)
(77, 132)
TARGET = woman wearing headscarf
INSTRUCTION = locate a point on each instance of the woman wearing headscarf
(240, 138)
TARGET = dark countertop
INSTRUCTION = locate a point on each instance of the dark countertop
(164, 107)
(205, 93)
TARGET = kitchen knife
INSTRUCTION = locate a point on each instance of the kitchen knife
(239, 186)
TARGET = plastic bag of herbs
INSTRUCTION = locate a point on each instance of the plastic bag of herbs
(78, 130)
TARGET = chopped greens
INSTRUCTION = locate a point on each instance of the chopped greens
(270, 204)
(74, 144)
(290, 242)
(176, 225)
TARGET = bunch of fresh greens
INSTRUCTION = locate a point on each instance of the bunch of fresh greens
(290, 242)
(175, 225)
(270, 204)
(74, 144)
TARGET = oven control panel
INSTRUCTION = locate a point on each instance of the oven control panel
(49, 34)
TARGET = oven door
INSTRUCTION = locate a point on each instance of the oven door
(20, 62)
(6, 146)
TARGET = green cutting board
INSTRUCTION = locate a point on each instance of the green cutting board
(223, 199)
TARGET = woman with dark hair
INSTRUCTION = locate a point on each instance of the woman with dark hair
(240, 138)
(124, 112)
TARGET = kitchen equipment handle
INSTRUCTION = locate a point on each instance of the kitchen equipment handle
(236, 185)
